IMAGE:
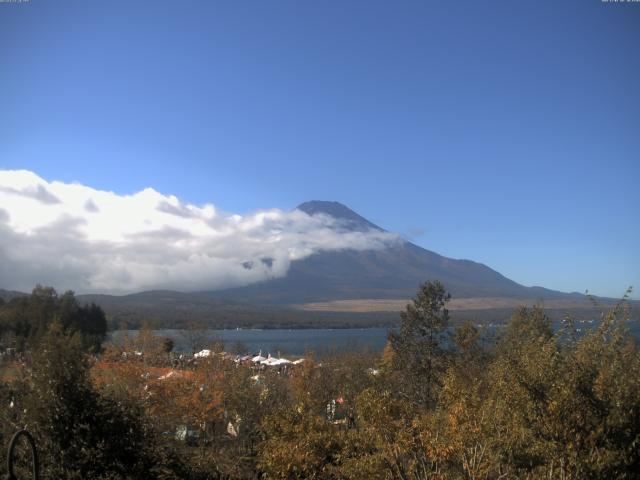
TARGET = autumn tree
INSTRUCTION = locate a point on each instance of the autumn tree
(564, 406)
(464, 414)
(392, 440)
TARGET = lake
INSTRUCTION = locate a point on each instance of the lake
(299, 341)
(287, 342)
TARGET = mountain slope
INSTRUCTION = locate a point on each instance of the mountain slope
(395, 272)
(7, 295)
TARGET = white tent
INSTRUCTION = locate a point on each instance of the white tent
(258, 358)
(203, 353)
(273, 362)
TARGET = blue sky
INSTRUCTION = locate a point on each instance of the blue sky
(504, 132)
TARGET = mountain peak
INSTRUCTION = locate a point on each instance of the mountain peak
(337, 210)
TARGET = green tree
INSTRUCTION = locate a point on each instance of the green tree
(80, 433)
(418, 344)
(27, 318)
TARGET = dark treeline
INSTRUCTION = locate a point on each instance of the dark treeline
(532, 404)
(25, 319)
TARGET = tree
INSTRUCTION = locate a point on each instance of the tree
(167, 344)
(393, 440)
(466, 416)
(28, 318)
(563, 406)
(418, 344)
(81, 433)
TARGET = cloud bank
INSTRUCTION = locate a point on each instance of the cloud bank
(72, 236)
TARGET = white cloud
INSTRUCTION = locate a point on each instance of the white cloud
(73, 236)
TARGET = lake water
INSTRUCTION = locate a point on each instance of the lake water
(297, 342)
(287, 342)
